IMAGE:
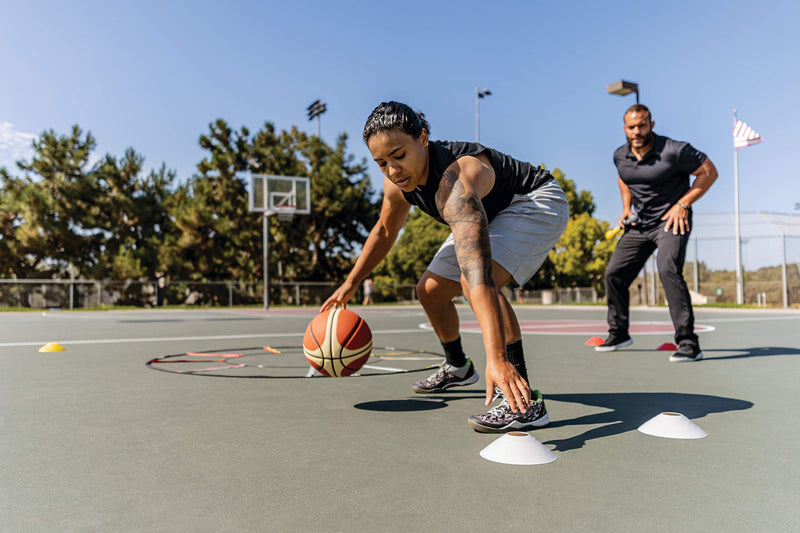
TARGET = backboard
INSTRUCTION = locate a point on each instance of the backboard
(270, 194)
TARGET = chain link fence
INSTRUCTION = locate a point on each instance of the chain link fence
(770, 253)
(770, 258)
(92, 294)
(88, 294)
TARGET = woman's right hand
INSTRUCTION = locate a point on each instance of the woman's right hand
(340, 296)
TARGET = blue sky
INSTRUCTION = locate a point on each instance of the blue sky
(153, 75)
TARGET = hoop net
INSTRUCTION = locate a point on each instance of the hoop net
(284, 212)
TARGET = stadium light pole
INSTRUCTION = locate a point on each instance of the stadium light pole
(480, 92)
(623, 87)
(316, 109)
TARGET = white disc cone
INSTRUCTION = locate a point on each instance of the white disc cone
(518, 448)
(673, 426)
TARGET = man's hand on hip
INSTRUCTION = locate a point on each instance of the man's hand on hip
(677, 219)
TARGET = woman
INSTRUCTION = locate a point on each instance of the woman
(505, 216)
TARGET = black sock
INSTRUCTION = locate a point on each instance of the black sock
(517, 358)
(454, 353)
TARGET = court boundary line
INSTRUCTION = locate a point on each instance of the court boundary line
(699, 328)
(175, 339)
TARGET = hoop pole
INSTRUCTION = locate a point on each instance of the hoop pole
(266, 261)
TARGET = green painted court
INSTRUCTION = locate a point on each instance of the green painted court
(93, 439)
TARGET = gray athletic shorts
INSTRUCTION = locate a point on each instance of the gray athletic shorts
(521, 235)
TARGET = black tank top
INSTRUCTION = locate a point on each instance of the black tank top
(511, 177)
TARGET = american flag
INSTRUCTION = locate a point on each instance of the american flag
(743, 135)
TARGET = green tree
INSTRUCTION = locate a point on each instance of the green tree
(214, 237)
(132, 217)
(44, 212)
(66, 217)
(217, 238)
(580, 202)
(582, 252)
(11, 249)
(342, 213)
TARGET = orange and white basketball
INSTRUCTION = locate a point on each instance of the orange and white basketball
(337, 342)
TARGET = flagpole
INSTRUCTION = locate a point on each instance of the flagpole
(739, 282)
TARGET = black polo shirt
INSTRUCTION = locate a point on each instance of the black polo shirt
(660, 179)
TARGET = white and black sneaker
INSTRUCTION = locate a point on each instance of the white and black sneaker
(447, 376)
(686, 353)
(612, 344)
(501, 418)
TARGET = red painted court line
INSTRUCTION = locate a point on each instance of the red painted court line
(584, 327)
(187, 361)
(204, 354)
(208, 369)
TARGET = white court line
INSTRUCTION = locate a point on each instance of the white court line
(170, 339)
(753, 319)
(271, 335)
(474, 328)
(386, 368)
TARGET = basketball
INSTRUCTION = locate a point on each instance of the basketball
(337, 342)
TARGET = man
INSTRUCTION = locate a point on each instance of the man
(654, 177)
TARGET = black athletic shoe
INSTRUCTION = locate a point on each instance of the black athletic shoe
(501, 419)
(686, 354)
(444, 378)
(612, 344)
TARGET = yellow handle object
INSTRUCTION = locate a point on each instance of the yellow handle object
(610, 234)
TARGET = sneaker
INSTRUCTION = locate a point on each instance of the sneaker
(612, 344)
(446, 377)
(686, 354)
(500, 418)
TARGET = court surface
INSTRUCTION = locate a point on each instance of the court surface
(94, 440)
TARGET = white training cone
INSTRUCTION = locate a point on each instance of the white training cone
(673, 426)
(518, 448)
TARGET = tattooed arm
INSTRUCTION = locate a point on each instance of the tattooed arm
(458, 199)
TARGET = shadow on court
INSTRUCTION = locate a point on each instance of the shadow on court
(751, 352)
(428, 403)
(627, 411)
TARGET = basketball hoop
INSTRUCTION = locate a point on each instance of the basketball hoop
(281, 195)
(285, 212)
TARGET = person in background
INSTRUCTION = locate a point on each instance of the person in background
(367, 292)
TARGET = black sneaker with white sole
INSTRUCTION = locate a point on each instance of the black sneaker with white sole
(501, 419)
(446, 377)
(612, 344)
(686, 353)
